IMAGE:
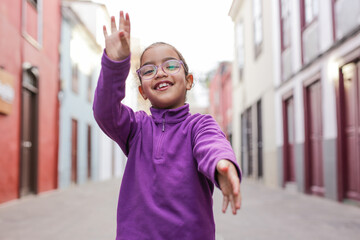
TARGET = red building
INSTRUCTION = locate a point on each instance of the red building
(29, 79)
(221, 97)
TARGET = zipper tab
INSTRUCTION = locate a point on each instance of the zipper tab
(163, 127)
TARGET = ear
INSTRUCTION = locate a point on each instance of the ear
(141, 91)
(189, 81)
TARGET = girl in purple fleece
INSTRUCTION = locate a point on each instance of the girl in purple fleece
(174, 157)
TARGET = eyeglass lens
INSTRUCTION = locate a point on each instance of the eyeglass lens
(169, 67)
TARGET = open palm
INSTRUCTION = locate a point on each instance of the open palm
(229, 184)
(117, 44)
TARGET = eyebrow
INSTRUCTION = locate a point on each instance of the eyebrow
(163, 60)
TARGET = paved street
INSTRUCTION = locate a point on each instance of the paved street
(88, 212)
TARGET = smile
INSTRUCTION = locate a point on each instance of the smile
(163, 86)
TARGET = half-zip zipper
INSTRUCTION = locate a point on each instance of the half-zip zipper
(159, 147)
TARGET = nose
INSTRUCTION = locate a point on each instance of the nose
(160, 72)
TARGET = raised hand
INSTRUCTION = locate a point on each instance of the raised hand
(117, 44)
(229, 184)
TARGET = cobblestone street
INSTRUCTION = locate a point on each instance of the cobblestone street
(88, 212)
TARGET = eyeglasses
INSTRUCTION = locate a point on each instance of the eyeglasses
(149, 71)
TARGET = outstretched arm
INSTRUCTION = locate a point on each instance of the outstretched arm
(216, 160)
(115, 119)
(229, 183)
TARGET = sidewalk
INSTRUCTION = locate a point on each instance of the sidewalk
(89, 212)
(275, 214)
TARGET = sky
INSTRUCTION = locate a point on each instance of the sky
(200, 29)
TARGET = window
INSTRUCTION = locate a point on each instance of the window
(285, 39)
(346, 17)
(285, 24)
(89, 89)
(75, 79)
(310, 30)
(240, 47)
(34, 3)
(311, 8)
(310, 11)
(32, 22)
(258, 28)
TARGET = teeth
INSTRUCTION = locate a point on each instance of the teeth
(161, 85)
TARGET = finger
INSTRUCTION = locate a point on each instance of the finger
(232, 203)
(238, 201)
(127, 23)
(225, 203)
(234, 179)
(235, 184)
(121, 21)
(113, 24)
(105, 32)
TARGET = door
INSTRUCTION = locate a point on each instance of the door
(259, 140)
(243, 141)
(28, 163)
(113, 163)
(74, 127)
(249, 141)
(89, 152)
(351, 130)
(289, 140)
(315, 175)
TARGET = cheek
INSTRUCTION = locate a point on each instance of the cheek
(146, 86)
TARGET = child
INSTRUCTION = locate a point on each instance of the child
(174, 158)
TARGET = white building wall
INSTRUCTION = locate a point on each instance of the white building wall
(76, 48)
(325, 64)
(256, 84)
(82, 44)
(105, 157)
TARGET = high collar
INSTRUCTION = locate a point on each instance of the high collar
(170, 115)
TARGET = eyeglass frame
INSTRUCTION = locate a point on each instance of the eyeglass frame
(157, 68)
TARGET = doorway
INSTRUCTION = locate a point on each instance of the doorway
(259, 140)
(29, 133)
(89, 152)
(74, 140)
(249, 141)
(289, 140)
(314, 176)
(350, 130)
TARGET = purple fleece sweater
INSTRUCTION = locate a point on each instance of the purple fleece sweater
(166, 190)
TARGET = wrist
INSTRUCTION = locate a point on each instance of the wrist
(115, 57)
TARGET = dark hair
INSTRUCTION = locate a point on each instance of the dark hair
(186, 68)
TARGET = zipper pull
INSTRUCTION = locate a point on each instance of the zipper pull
(163, 127)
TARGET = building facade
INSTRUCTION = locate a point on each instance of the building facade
(85, 152)
(29, 78)
(79, 68)
(315, 69)
(220, 91)
(317, 97)
(253, 90)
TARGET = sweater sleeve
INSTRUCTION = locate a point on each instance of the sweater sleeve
(210, 146)
(114, 118)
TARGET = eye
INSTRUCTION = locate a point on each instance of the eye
(172, 65)
(147, 70)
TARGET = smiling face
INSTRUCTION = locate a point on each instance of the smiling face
(164, 90)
